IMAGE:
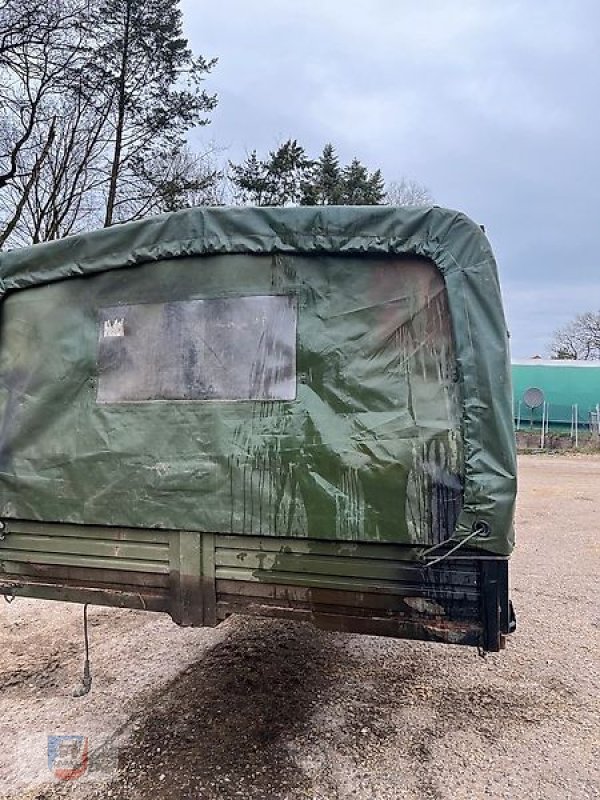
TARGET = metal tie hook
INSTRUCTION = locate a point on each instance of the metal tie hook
(480, 528)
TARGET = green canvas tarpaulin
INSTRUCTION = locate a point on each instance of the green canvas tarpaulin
(313, 372)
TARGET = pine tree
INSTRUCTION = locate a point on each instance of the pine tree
(355, 180)
(142, 64)
(277, 181)
(359, 188)
(289, 177)
(376, 193)
(323, 185)
(287, 171)
(249, 180)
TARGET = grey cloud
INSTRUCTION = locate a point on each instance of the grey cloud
(492, 105)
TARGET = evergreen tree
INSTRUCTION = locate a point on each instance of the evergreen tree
(376, 192)
(358, 188)
(277, 181)
(141, 63)
(324, 185)
(249, 180)
(287, 171)
(289, 177)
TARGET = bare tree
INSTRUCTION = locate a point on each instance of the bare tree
(87, 139)
(407, 192)
(64, 194)
(580, 339)
(36, 57)
(41, 53)
(21, 188)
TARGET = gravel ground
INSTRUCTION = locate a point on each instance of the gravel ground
(266, 709)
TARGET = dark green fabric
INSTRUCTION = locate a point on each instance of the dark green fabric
(386, 419)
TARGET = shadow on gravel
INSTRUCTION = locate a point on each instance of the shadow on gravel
(283, 710)
(220, 729)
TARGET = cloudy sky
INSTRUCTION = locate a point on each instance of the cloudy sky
(492, 104)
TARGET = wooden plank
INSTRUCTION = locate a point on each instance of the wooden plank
(100, 596)
(272, 544)
(306, 579)
(304, 596)
(53, 573)
(21, 556)
(75, 545)
(345, 566)
(156, 536)
(464, 632)
(339, 582)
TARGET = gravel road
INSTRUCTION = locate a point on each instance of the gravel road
(267, 709)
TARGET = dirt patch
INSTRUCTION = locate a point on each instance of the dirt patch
(220, 729)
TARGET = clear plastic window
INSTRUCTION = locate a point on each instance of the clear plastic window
(223, 348)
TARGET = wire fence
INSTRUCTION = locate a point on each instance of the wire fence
(576, 421)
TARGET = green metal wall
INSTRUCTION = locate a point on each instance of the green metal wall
(564, 384)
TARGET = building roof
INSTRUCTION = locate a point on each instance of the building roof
(553, 362)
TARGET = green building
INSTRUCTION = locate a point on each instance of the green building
(568, 390)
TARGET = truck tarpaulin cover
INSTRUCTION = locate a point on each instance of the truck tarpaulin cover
(333, 372)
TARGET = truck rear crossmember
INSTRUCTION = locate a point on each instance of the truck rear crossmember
(200, 579)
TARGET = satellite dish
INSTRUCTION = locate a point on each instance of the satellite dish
(533, 398)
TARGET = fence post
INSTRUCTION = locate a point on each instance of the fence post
(542, 436)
